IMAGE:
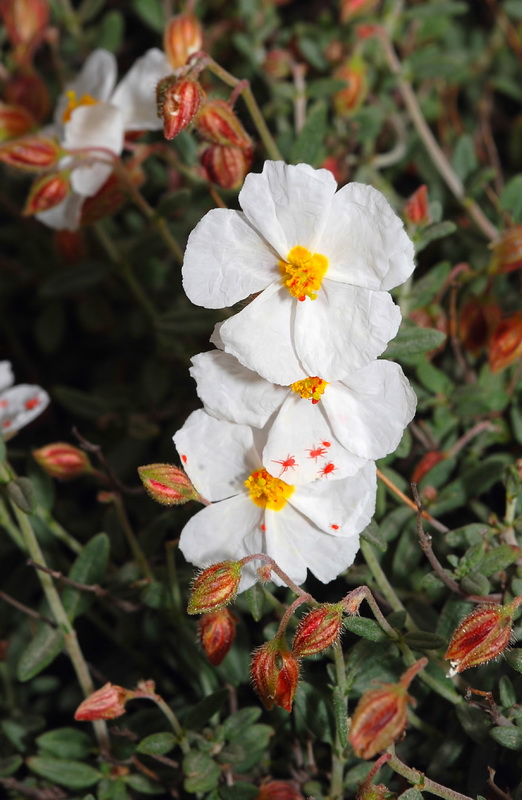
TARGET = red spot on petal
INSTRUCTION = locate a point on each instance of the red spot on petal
(6, 424)
(184, 459)
(263, 528)
(334, 527)
(3, 403)
(327, 444)
(328, 469)
(33, 402)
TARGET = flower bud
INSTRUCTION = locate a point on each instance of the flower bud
(111, 196)
(426, 464)
(215, 587)
(417, 209)
(506, 343)
(62, 460)
(226, 165)
(14, 121)
(264, 573)
(380, 716)
(29, 90)
(369, 791)
(507, 251)
(33, 153)
(106, 703)
(478, 318)
(317, 630)
(167, 484)
(482, 635)
(279, 790)
(178, 102)
(183, 37)
(24, 20)
(278, 64)
(275, 674)
(356, 8)
(47, 192)
(217, 123)
(353, 73)
(216, 633)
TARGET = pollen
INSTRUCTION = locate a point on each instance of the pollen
(310, 389)
(73, 103)
(268, 492)
(303, 272)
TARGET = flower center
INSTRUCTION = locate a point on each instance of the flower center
(268, 492)
(303, 272)
(310, 388)
(73, 103)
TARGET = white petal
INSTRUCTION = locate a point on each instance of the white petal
(65, 216)
(365, 241)
(98, 129)
(288, 204)
(135, 95)
(230, 391)
(217, 455)
(370, 408)
(283, 531)
(328, 555)
(6, 375)
(301, 444)
(261, 337)
(343, 329)
(226, 260)
(19, 406)
(342, 508)
(97, 80)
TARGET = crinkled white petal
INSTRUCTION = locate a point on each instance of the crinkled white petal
(97, 129)
(343, 329)
(340, 507)
(365, 241)
(301, 445)
(6, 375)
(96, 79)
(261, 336)
(328, 555)
(135, 95)
(230, 391)
(288, 204)
(370, 408)
(65, 216)
(283, 531)
(19, 405)
(226, 260)
(218, 456)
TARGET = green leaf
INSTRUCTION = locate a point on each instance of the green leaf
(424, 640)
(467, 534)
(173, 201)
(110, 32)
(373, 536)
(239, 791)
(83, 404)
(205, 709)
(513, 8)
(474, 722)
(511, 738)
(65, 743)
(514, 658)
(464, 159)
(254, 742)
(475, 583)
(72, 774)
(9, 765)
(410, 794)
(256, 601)
(425, 289)
(324, 87)
(70, 281)
(308, 146)
(412, 342)
(2, 449)
(150, 12)
(41, 651)
(431, 233)
(157, 744)
(436, 10)
(341, 718)
(143, 785)
(498, 559)
(89, 568)
(434, 379)
(201, 772)
(508, 696)
(366, 628)
(235, 725)
(313, 710)
(511, 198)
(20, 492)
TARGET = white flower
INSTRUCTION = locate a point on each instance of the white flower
(19, 405)
(93, 115)
(323, 262)
(313, 527)
(315, 429)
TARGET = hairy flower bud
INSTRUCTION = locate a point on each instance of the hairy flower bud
(24, 19)
(478, 318)
(349, 99)
(183, 37)
(217, 123)
(27, 89)
(226, 165)
(380, 716)
(62, 460)
(426, 464)
(317, 630)
(275, 674)
(106, 703)
(178, 102)
(47, 192)
(33, 153)
(214, 587)
(216, 632)
(279, 790)
(14, 121)
(416, 209)
(278, 64)
(481, 636)
(506, 343)
(167, 484)
(507, 251)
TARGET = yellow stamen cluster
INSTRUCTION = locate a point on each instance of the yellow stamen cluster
(73, 103)
(310, 389)
(268, 492)
(303, 272)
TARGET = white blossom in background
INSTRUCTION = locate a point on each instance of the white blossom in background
(315, 429)
(93, 114)
(20, 404)
(323, 261)
(312, 527)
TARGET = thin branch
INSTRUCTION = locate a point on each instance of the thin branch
(26, 610)
(436, 524)
(94, 588)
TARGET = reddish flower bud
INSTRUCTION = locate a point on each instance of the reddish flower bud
(178, 101)
(106, 703)
(33, 153)
(62, 460)
(47, 192)
(278, 64)
(380, 716)
(417, 209)
(264, 573)
(217, 123)
(507, 251)
(478, 319)
(506, 343)
(482, 635)
(14, 121)
(356, 8)
(215, 587)
(4, 647)
(226, 165)
(183, 37)
(317, 630)
(279, 790)
(353, 73)
(427, 462)
(111, 196)
(275, 674)
(216, 633)
(24, 19)
(27, 89)
(167, 484)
